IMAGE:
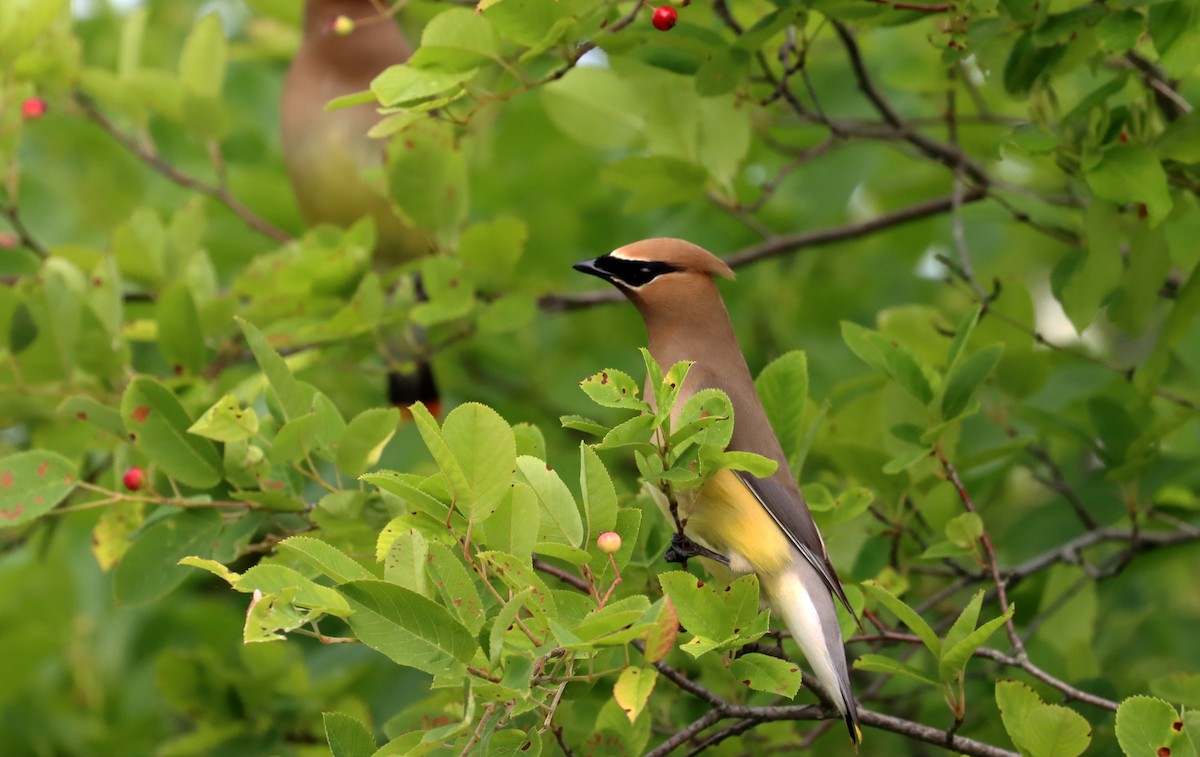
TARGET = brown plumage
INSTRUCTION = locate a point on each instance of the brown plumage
(759, 525)
(328, 154)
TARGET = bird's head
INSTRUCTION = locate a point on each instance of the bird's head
(658, 270)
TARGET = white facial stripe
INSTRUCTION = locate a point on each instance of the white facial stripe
(620, 254)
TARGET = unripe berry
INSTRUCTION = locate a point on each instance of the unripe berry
(664, 18)
(134, 479)
(343, 26)
(609, 542)
(33, 107)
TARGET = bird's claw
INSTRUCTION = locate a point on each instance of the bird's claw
(683, 548)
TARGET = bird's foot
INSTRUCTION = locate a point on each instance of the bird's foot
(682, 549)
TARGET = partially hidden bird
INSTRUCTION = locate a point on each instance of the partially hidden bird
(749, 524)
(330, 157)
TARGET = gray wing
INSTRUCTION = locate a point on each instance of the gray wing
(794, 520)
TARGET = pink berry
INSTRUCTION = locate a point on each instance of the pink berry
(609, 542)
(134, 479)
(33, 107)
(664, 18)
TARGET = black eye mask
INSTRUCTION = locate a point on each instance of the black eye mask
(634, 273)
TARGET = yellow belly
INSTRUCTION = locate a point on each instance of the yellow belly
(729, 518)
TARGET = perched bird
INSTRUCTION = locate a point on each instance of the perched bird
(750, 524)
(329, 156)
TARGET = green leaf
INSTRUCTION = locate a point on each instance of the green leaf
(158, 425)
(656, 181)
(632, 690)
(455, 585)
(486, 451)
(595, 107)
(361, 443)
(615, 389)
(719, 617)
(1144, 724)
(1179, 688)
(505, 618)
(406, 84)
(880, 664)
(1016, 701)
(447, 463)
(964, 381)
(408, 628)
(291, 396)
(966, 621)
(325, 557)
(964, 530)
(514, 526)
(22, 329)
(404, 563)
(889, 358)
(906, 614)
(1055, 731)
(765, 673)
(347, 736)
(953, 659)
(302, 592)
(427, 179)
(490, 251)
(560, 521)
(31, 484)
(1130, 173)
(783, 388)
(202, 62)
(150, 567)
(226, 421)
(599, 496)
(179, 336)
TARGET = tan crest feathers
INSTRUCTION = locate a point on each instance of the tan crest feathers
(678, 252)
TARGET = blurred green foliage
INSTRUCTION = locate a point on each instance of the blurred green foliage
(965, 239)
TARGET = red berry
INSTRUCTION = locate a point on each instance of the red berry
(665, 17)
(33, 107)
(135, 479)
(609, 542)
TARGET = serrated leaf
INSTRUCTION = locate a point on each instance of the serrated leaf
(408, 628)
(150, 567)
(1015, 701)
(1052, 730)
(325, 557)
(660, 639)
(347, 736)
(765, 673)
(953, 659)
(486, 450)
(560, 521)
(615, 389)
(964, 530)
(783, 388)
(1144, 724)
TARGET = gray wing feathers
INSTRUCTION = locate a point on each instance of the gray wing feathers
(797, 524)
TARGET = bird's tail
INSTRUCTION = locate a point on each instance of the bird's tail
(417, 385)
(807, 609)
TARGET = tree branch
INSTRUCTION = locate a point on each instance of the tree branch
(781, 245)
(218, 192)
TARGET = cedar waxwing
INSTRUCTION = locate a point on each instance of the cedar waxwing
(749, 524)
(328, 154)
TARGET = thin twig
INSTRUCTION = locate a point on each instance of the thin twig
(151, 158)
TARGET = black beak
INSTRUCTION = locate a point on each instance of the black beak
(590, 267)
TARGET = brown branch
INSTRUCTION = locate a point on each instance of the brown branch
(781, 245)
(147, 155)
(562, 575)
(990, 552)
(1058, 483)
(24, 236)
(903, 6)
